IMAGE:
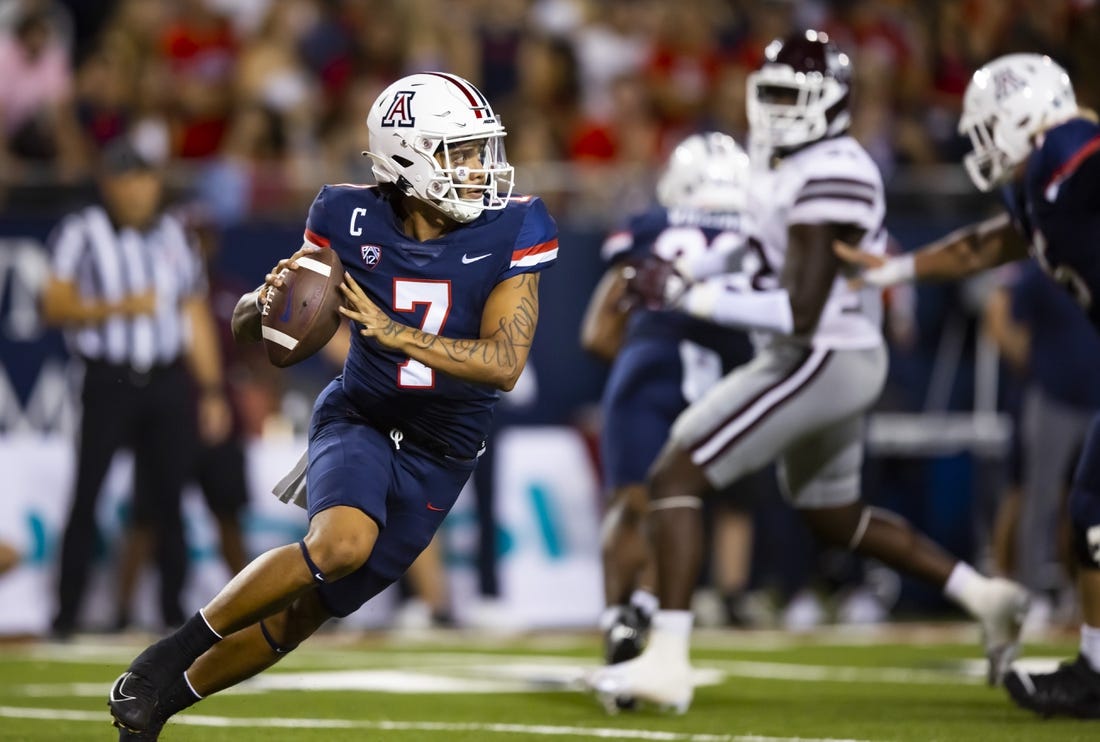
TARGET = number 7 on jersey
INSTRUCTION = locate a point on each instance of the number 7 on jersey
(407, 294)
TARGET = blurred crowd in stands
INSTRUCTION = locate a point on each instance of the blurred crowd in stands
(257, 102)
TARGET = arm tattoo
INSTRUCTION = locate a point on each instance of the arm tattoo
(500, 348)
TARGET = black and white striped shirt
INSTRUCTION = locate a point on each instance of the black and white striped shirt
(107, 263)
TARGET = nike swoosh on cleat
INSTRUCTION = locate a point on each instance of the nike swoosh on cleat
(466, 260)
(119, 684)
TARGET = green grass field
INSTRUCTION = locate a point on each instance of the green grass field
(907, 683)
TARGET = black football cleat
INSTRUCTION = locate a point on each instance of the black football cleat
(1071, 690)
(625, 640)
(133, 703)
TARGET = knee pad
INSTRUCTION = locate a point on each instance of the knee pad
(318, 575)
(1084, 513)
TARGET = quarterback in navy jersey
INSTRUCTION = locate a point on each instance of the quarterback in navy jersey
(661, 360)
(1031, 140)
(438, 285)
(441, 284)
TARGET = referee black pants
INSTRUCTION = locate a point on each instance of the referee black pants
(152, 414)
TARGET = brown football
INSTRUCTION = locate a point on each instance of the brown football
(301, 316)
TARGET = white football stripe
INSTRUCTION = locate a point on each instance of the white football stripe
(280, 338)
(315, 265)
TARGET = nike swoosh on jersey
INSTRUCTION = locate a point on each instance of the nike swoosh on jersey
(433, 507)
(466, 260)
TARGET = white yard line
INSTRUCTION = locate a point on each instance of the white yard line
(545, 730)
(477, 673)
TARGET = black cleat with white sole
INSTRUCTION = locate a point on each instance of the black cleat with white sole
(1071, 690)
(624, 641)
(133, 703)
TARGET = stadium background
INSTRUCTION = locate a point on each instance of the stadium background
(255, 104)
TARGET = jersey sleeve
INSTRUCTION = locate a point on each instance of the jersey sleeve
(617, 246)
(317, 227)
(841, 187)
(187, 243)
(68, 243)
(536, 245)
(634, 241)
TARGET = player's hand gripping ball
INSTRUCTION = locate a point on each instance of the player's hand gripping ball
(299, 313)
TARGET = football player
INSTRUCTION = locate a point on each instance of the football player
(661, 360)
(442, 271)
(1031, 140)
(802, 400)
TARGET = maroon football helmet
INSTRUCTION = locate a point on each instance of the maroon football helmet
(800, 95)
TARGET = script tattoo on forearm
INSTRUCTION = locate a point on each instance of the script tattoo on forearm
(501, 348)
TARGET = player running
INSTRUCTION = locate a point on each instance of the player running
(661, 360)
(803, 398)
(442, 267)
(1031, 140)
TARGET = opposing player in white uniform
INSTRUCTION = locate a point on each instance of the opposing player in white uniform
(802, 400)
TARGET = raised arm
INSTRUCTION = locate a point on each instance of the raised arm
(496, 358)
(795, 306)
(970, 250)
(962, 253)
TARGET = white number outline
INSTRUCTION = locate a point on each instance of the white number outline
(726, 250)
(408, 294)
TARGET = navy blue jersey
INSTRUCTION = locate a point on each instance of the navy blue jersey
(1064, 352)
(699, 236)
(440, 286)
(668, 358)
(1057, 207)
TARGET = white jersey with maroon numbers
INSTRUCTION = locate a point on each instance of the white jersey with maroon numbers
(831, 181)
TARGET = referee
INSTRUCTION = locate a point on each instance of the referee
(130, 292)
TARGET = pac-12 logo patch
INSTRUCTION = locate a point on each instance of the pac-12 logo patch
(372, 255)
(400, 111)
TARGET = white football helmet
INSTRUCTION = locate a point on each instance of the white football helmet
(800, 95)
(436, 138)
(707, 171)
(1007, 104)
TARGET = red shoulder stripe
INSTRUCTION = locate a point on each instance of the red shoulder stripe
(1074, 162)
(535, 249)
(316, 239)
